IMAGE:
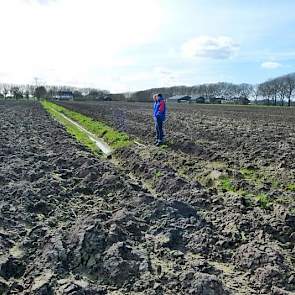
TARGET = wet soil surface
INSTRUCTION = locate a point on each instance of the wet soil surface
(71, 223)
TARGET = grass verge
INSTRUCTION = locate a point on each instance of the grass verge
(114, 138)
(73, 130)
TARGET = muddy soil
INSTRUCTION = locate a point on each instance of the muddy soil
(75, 224)
(248, 150)
(237, 134)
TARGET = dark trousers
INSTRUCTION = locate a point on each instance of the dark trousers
(159, 129)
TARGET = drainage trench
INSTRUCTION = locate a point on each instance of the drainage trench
(107, 150)
(100, 143)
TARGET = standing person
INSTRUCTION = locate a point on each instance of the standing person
(159, 116)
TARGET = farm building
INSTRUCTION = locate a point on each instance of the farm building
(237, 100)
(199, 99)
(104, 98)
(118, 96)
(180, 98)
(216, 100)
(64, 95)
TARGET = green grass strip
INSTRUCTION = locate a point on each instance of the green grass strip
(114, 138)
(73, 130)
(291, 187)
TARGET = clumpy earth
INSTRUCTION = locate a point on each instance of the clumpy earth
(239, 149)
(172, 220)
(237, 134)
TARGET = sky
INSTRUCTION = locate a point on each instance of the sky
(133, 45)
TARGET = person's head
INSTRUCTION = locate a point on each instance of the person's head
(155, 97)
(160, 96)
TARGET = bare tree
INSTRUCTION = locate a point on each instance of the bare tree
(6, 89)
(282, 91)
(245, 90)
(266, 91)
(256, 92)
(17, 94)
(40, 92)
(290, 86)
(275, 86)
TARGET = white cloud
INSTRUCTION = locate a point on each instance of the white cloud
(221, 47)
(271, 65)
(62, 41)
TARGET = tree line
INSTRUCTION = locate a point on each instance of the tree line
(27, 91)
(221, 90)
(277, 91)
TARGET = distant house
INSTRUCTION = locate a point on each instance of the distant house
(118, 96)
(244, 100)
(199, 99)
(215, 100)
(104, 98)
(64, 95)
(107, 98)
(237, 100)
(180, 98)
